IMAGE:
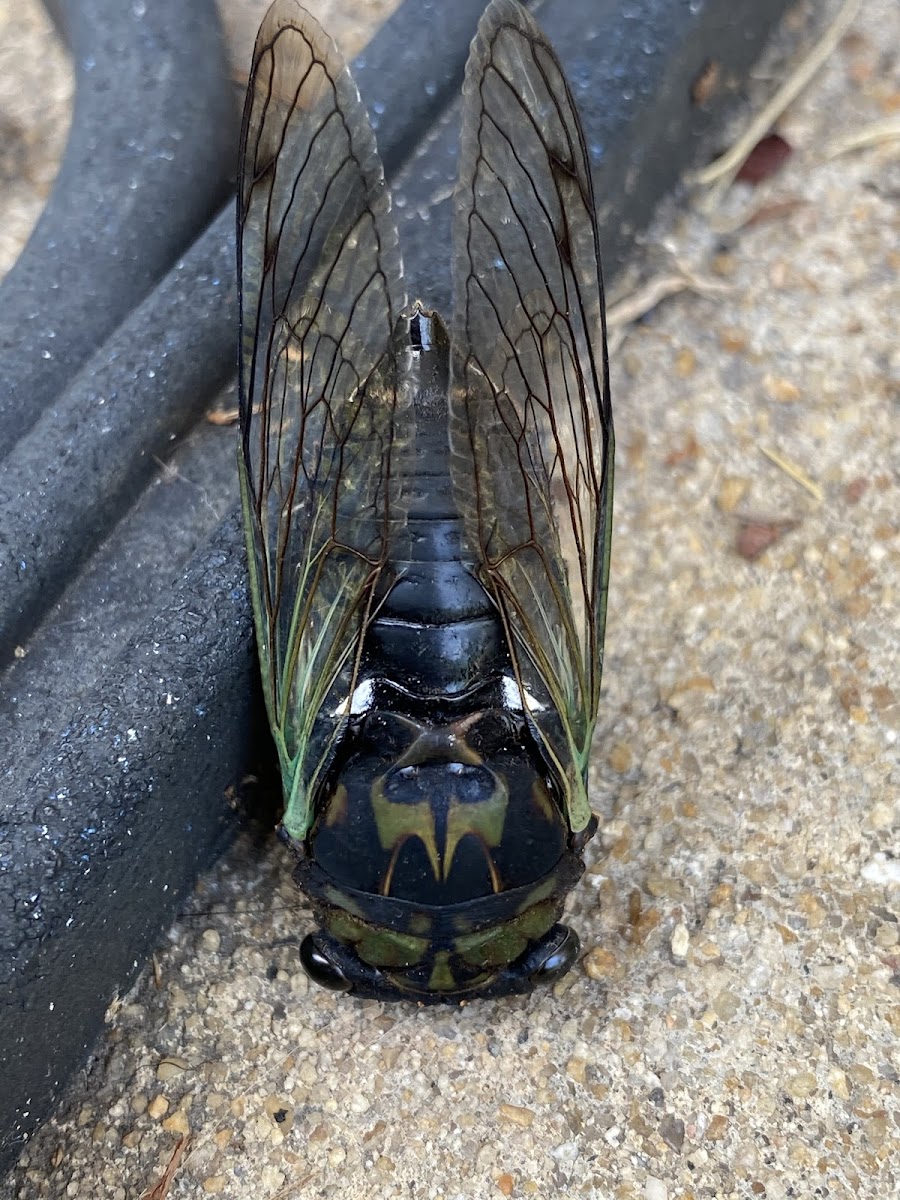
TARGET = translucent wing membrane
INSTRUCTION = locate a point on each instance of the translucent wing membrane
(320, 282)
(530, 410)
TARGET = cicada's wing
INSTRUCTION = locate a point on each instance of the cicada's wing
(320, 282)
(530, 407)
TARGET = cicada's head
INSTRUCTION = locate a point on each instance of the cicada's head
(438, 865)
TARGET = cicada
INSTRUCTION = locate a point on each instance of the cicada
(428, 507)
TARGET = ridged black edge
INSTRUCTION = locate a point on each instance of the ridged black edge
(135, 782)
(149, 159)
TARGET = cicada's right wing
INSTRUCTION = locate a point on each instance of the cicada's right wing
(531, 422)
(320, 285)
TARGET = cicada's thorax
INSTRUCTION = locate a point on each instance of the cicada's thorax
(440, 853)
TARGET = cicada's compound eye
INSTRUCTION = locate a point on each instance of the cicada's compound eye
(320, 968)
(560, 956)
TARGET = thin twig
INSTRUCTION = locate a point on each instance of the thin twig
(887, 130)
(161, 1189)
(796, 473)
(723, 170)
(650, 294)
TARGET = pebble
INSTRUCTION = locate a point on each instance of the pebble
(783, 391)
(177, 1123)
(518, 1115)
(211, 940)
(837, 1082)
(576, 1069)
(620, 758)
(680, 943)
(170, 1068)
(158, 1107)
(717, 1128)
(671, 1130)
(565, 1152)
(600, 963)
(731, 492)
(801, 1086)
(726, 1005)
(655, 1189)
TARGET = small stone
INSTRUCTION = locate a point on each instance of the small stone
(655, 1189)
(812, 908)
(132, 1139)
(620, 758)
(732, 339)
(600, 963)
(576, 1069)
(837, 1082)
(680, 943)
(213, 1184)
(384, 1164)
(801, 1086)
(726, 1005)
(565, 1152)
(782, 391)
(755, 537)
(813, 638)
(731, 492)
(177, 1123)
(506, 1183)
(686, 690)
(377, 1129)
(685, 363)
(523, 1117)
(158, 1107)
(211, 940)
(671, 1130)
(881, 815)
(717, 1128)
(169, 1068)
(882, 696)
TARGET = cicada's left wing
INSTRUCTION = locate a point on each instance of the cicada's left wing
(320, 284)
(530, 407)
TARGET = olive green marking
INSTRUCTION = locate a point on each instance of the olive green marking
(544, 889)
(504, 943)
(420, 924)
(377, 946)
(441, 978)
(543, 801)
(398, 822)
(336, 811)
(484, 820)
(339, 899)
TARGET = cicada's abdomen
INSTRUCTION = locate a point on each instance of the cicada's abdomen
(439, 858)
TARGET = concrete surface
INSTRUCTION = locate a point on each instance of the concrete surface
(733, 1029)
